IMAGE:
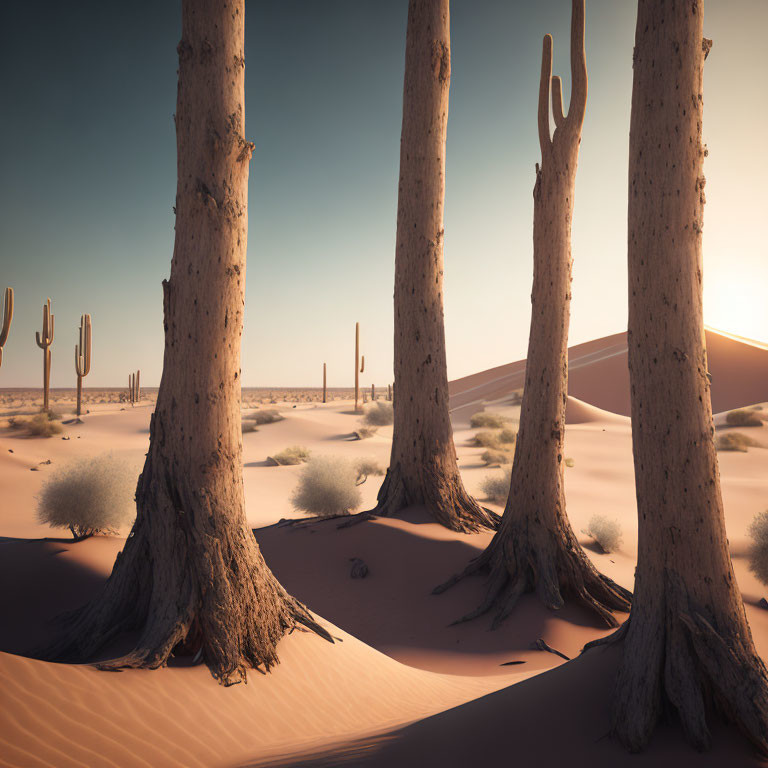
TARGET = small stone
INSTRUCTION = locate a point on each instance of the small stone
(34, 469)
(763, 603)
(359, 568)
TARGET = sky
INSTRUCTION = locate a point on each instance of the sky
(88, 179)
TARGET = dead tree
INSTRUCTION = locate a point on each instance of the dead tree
(535, 548)
(191, 578)
(687, 646)
(423, 468)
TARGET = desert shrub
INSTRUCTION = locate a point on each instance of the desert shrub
(570, 463)
(486, 440)
(89, 495)
(507, 436)
(42, 426)
(380, 414)
(296, 454)
(366, 468)
(494, 456)
(52, 415)
(488, 419)
(743, 418)
(606, 532)
(758, 551)
(268, 416)
(496, 486)
(249, 426)
(365, 432)
(735, 441)
(327, 486)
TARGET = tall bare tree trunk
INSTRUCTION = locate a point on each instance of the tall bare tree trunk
(191, 578)
(423, 468)
(687, 642)
(535, 547)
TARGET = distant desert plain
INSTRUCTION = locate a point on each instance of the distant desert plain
(399, 682)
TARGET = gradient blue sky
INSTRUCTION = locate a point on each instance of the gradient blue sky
(87, 152)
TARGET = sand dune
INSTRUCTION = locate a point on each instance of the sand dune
(598, 375)
(403, 688)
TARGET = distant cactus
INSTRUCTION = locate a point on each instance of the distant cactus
(44, 342)
(373, 392)
(324, 383)
(83, 358)
(138, 386)
(389, 392)
(358, 370)
(7, 317)
(362, 364)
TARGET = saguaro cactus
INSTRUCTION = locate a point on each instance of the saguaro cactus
(83, 358)
(357, 365)
(325, 380)
(535, 548)
(44, 342)
(7, 317)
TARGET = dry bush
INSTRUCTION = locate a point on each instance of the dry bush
(365, 432)
(367, 467)
(380, 414)
(327, 486)
(296, 454)
(268, 416)
(486, 440)
(758, 550)
(90, 495)
(249, 426)
(507, 436)
(496, 486)
(735, 441)
(606, 532)
(493, 456)
(40, 425)
(743, 418)
(488, 419)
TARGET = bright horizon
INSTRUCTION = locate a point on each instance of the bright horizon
(89, 164)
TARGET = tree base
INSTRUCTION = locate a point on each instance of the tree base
(444, 497)
(215, 600)
(684, 664)
(551, 564)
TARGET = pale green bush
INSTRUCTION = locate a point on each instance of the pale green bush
(90, 495)
(296, 454)
(488, 419)
(327, 486)
(758, 551)
(379, 414)
(606, 532)
(496, 486)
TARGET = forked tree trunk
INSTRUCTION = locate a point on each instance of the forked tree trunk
(191, 577)
(423, 468)
(687, 642)
(535, 547)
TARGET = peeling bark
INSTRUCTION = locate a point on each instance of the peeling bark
(535, 548)
(687, 645)
(191, 578)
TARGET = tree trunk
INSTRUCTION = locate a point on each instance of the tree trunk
(687, 642)
(423, 468)
(535, 547)
(79, 396)
(357, 366)
(191, 577)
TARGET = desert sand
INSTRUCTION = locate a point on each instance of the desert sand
(399, 687)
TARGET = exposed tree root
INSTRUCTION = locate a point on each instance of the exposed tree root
(222, 587)
(442, 493)
(550, 563)
(683, 663)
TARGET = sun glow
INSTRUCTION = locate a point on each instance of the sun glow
(736, 306)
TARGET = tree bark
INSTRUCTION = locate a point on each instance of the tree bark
(191, 577)
(423, 468)
(535, 548)
(687, 644)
